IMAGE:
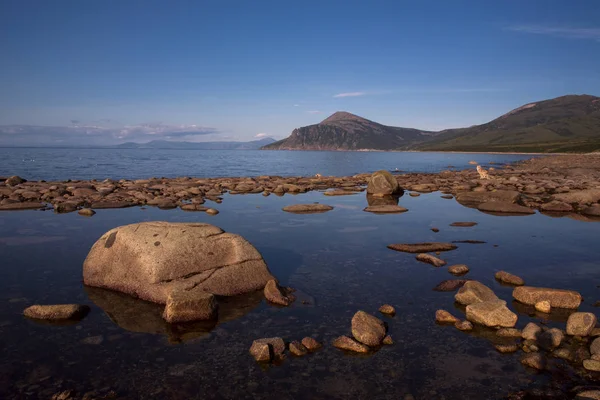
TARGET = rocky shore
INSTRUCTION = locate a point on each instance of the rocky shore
(560, 184)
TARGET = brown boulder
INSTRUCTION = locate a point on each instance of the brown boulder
(506, 277)
(534, 360)
(474, 292)
(297, 348)
(367, 329)
(346, 343)
(492, 313)
(581, 323)
(458, 269)
(311, 344)
(152, 259)
(558, 298)
(429, 259)
(387, 309)
(382, 182)
(56, 311)
(307, 208)
(386, 209)
(444, 317)
(422, 247)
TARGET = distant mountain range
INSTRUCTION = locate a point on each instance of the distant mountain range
(564, 124)
(165, 144)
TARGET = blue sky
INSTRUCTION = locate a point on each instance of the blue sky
(236, 69)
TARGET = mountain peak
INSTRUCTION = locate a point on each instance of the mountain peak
(342, 116)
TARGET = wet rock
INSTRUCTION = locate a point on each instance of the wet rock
(26, 205)
(502, 207)
(422, 247)
(595, 346)
(558, 298)
(93, 340)
(581, 323)
(307, 208)
(591, 365)
(14, 180)
(463, 224)
(262, 352)
(414, 194)
(297, 348)
(86, 212)
(563, 353)
(386, 209)
(388, 340)
(193, 207)
(588, 395)
(556, 206)
(276, 346)
(274, 294)
(474, 292)
(508, 278)
(450, 285)
(493, 313)
(543, 306)
(124, 204)
(447, 196)
(444, 317)
(504, 196)
(57, 311)
(64, 395)
(424, 187)
(436, 230)
(587, 196)
(551, 339)
(382, 182)
(367, 329)
(429, 259)
(310, 344)
(593, 211)
(458, 269)
(534, 360)
(152, 259)
(531, 331)
(509, 332)
(346, 343)
(190, 305)
(507, 348)
(212, 211)
(387, 309)
(464, 326)
(65, 207)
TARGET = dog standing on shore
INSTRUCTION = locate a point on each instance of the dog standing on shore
(482, 173)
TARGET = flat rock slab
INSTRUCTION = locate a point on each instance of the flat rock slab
(27, 205)
(112, 204)
(307, 208)
(386, 209)
(464, 224)
(429, 259)
(349, 344)
(339, 192)
(558, 298)
(57, 312)
(508, 278)
(422, 247)
(506, 196)
(503, 207)
(493, 313)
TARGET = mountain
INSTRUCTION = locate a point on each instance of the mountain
(165, 144)
(345, 131)
(564, 124)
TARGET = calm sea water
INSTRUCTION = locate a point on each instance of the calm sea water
(338, 261)
(60, 164)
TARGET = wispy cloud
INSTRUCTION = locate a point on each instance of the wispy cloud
(314, 112)
(349, 94)
(565, 32)
(261, 135)
(296, 105)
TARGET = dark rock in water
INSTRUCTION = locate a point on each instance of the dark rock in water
(436, 230)
(307, 208)
(450, 285)
(120, 204)
(463, 224)
(458, 269)
(388, 340)
(444, 317)
(507, 348)
(504, 196)
(311, 344)
(493, 313)
(86, 212)
(558, 298)
(190, 305)
(534, 360)
(386, 209)
(276, 344)
(297, 348)
(551, 339)
(422, 247)
(502, 207)
(14, 180)
(382, 182)
(506, 277)
(57, 311)
(261, 351)
(274, 294)
(464, 326)
(346, 343)
(474, 292)
(27, 205)
(429, 259)
(469, 241)
(193, 207)
(531, 331)
(65, 207)
(581, 323)
(367, 329)
(387, 309)
(593, 211)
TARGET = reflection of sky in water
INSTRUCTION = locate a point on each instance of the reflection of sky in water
(337, 260)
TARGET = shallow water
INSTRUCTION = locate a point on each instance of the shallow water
(339, 263)
(62, 164)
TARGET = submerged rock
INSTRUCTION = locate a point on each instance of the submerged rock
(450, 285)
(464, 326)
(429, 259)
(558, 298)
(463, 224)
(190, 305)
(387, 309)
(57, 311)
(493, 313)
(386, 209)
(307, 208)
(551, 339)
(444, 317)
(311, 344)
(422, 247)
(346, 343)
(502, 207)
(86, 212)
(152, 259)
(297, 348)
(458, 269)
(509, 332)
(367, 329)
(531, 331)
(274, 294)
(581, 323)
(388, 340)
(543, 306)
(507, 348)
(474, 292)
(275, 345)
(534, 360)
(506, 277)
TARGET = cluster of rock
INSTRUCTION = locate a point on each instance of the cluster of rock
(273, 349)
(368, 332)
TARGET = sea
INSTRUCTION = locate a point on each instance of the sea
(338, 261)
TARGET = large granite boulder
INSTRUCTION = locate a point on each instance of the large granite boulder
(383, 183)
(151, 260)
(493, 313)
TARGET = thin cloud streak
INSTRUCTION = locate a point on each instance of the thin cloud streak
(570, 33)
(349, 94)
